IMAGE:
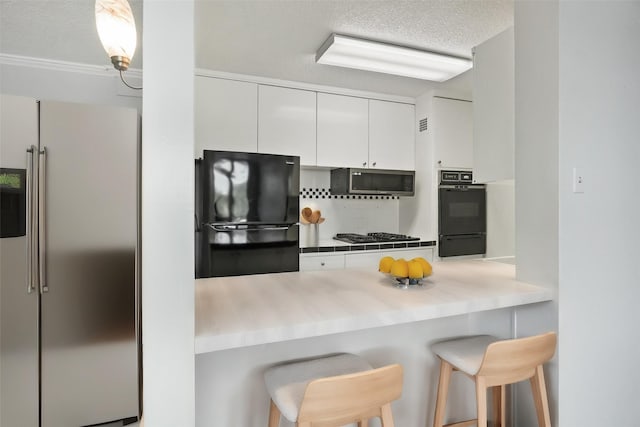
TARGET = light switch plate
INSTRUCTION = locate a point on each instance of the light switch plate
(578, 180)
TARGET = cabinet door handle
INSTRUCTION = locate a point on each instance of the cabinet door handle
(364, 164)
(374, 164)
(322, 264)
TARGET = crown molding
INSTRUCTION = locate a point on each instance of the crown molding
(73, 67)
(202, 72)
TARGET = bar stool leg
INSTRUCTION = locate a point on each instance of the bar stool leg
(540, 399)
(499, 405)
(481, 400)
(274, 415)
(386, 417)
(443, 390)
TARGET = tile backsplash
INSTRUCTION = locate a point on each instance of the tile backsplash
(345, 214)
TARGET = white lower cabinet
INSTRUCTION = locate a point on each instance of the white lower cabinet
(315, 262)
(364, 259)
(371, 259)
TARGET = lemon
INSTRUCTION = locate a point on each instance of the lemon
(427, 270)
(400, 268)
(385, 264)
(415, 270)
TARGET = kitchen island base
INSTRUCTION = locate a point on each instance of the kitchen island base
(245, 324)
(230, 388)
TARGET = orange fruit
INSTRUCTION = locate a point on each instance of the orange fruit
(427, 269)
(385, 264)
(400, 268)
(415, 270)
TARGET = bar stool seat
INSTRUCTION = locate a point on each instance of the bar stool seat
(465, 354)
(495, 363)
(332, 390)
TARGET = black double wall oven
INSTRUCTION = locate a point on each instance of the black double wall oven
(462, 216)
(247, 209)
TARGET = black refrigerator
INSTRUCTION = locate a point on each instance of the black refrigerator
(247, 209)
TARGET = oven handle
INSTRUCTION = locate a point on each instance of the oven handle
(463, 187)
(461, 236)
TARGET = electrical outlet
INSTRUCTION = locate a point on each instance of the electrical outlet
(578, 180)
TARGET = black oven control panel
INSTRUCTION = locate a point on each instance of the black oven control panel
(456, 177)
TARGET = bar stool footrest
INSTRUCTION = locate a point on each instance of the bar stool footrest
(467, 423)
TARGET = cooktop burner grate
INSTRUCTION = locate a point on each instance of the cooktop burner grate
(377, 237)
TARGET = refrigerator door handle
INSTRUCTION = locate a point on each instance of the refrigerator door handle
(30, 219)
(42, 223)
(229, 228)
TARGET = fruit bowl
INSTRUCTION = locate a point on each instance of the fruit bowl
(404, 282)
(405, 274)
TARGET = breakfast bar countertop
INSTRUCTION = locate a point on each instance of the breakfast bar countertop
(241, 311)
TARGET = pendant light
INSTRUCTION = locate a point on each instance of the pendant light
(117, 31)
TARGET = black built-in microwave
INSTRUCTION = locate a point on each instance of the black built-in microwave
(372, 181)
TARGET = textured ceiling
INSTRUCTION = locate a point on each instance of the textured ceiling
(271, 38)
(279, 39)
(63, 30)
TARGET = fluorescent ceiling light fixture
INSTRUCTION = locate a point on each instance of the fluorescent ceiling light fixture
(350, 52)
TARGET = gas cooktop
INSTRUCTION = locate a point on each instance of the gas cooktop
(373, 237)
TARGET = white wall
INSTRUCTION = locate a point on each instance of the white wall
(60, 81)
(167, 214)
(501, 229)
(419, 215)
(599, 95)
(577, 103)
(536, 177)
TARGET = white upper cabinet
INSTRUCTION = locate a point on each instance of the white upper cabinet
(226, 115)
(343, 131)
(324, 129)
(287, 122)
(391, 135)
(452, 130)
(493, 108)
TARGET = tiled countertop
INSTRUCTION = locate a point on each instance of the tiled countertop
(338, 246)
(242, 311)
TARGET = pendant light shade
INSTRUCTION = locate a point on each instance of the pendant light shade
(117, 31)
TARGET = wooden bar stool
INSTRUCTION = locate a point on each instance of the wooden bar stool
(491, 362)
(332, 391)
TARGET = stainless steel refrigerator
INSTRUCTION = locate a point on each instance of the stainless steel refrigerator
(69, 347)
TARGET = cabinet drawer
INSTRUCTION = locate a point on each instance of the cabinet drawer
(372, 259)
(324, 262)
